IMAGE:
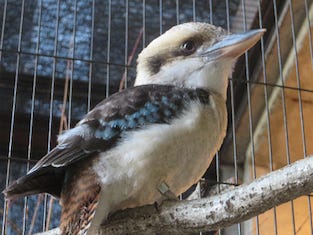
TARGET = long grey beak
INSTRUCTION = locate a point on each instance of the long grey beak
(233, 45)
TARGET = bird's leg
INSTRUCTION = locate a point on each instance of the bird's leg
(164, 189)
(166, 193)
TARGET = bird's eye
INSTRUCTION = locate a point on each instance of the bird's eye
(188, 46)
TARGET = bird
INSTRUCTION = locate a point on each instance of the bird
(147, 143)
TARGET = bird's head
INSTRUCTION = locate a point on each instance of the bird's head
(193, 55)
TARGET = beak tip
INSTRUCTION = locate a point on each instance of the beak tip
(261, 31)
(234, 45)
(258, 33)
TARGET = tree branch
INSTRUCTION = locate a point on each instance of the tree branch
(225, 209)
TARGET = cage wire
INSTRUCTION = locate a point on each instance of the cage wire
(58, 59)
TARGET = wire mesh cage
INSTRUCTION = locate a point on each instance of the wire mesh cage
(58, 59)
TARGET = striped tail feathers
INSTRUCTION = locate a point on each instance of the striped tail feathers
(79, 200)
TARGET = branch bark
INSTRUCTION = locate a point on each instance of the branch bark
(225, 209)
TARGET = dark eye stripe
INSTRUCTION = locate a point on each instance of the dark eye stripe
(155, 63)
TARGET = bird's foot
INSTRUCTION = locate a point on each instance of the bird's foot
(166, 193)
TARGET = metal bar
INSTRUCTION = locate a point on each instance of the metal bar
(298, 79)
(194, 10)
(310, 36)
(311, 53)
(4, 217)
(31, 122)
(10, 146)
(91, 54)
(299, 101)
(126, 44)
(72, 48)
(108, 50)
(277, 85)
(211, 11)
(227, 15)
(18, 159)
(3, 27)
(232, 104)
(132, 67)
(283, 95)
(267, 114)
(53, 74)
(218, 178)
(56, 30)
(177, 11)
(249, 109)
(233, 110)
(67, 58)
(161, 15)
(143, 24)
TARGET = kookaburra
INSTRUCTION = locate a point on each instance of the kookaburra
(147, 143)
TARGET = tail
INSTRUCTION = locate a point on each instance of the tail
(41, 181)
(79, 199)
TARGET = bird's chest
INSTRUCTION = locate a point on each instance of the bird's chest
(176, 154)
